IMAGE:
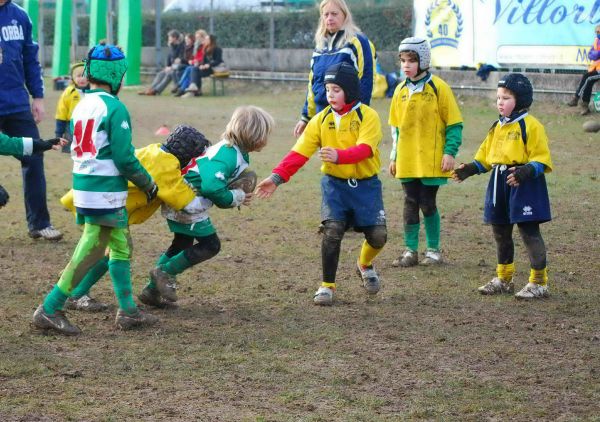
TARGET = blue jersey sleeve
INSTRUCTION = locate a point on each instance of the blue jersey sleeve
(31, 65)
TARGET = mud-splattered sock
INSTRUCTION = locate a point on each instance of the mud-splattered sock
(177, 264)
(120, 273)
(432, 231)
(55, 300)
(505, 272)
(539, 277)
(93, 275)
(161, 260)
(367, 254)
(411, 236)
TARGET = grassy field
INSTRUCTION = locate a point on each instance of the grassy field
(247, 344)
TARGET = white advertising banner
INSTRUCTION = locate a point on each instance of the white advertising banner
(549, 33)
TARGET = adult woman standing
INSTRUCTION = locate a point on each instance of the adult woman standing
(213, 56)
(337, 39)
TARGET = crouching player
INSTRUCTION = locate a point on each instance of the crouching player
(348, 135)
(195, 239)
(20, 147)
(164, 163)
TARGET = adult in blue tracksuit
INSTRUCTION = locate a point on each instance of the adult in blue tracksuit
(337, 40)
(21, 75)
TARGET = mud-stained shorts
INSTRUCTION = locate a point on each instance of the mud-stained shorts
(357, 202)
(505, 204)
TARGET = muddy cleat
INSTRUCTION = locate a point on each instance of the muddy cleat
(432, 257)
(85, 303)
(57, 322)
(323, 296)
(496, 286)
(49, 233)
(573, 102)
(152, 297)
(369, 278)
(139, 318)
(165, 283)
(532, 291)
(407, 259)
(585, 109)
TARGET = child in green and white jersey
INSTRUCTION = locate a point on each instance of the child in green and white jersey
(209, 175)
(103, 162)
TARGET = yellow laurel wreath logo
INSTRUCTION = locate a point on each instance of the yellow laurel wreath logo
(444, 23)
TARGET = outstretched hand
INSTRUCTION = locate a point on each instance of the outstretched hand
(58, 143)
(265, 188)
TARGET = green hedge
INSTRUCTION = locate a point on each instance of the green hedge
(384, 25)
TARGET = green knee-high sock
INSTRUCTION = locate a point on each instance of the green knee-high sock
(54, 300)
(176, 265)
(411, 236)
(160, 261)
(91, 277)
(120, 273)
(432, 231)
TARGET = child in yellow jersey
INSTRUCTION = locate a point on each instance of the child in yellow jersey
(427, 132)
(348, 135)
(516, 150)
(67, 102)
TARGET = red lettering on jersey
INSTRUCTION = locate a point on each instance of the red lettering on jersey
(83, 141)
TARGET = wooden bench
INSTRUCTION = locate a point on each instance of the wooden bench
(218, 83)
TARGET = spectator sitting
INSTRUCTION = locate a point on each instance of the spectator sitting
(174, 59)
(198, 56)
(213, 57)
(188, 56)
(589, 78)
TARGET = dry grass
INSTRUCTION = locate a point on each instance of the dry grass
(247, 343)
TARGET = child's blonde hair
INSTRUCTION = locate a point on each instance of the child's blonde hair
(349, 27)
(249, 128)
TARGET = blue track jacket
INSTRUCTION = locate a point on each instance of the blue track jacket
(20, 69)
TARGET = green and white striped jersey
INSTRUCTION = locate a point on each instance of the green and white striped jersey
(102, 152)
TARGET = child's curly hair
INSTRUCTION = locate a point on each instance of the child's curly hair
(249, 128)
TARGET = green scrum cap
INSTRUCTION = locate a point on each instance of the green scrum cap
(106, 64)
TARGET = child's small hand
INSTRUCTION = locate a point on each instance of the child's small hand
(519, 174)
(265, 189)
(61, 143)
(248, 199)
(299, 128)
(392, 168)
(328, 155)
(455, 175)
(447, 162)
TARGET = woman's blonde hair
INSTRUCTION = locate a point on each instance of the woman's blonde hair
(249, 128)
(349, 27)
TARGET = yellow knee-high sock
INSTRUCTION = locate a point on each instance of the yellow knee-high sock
(328, 285)
(367, 254)
(505, 271)
(539, 277)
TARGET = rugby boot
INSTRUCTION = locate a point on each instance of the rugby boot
(369, 278)
(57, 322)
(139, 318)
(165, 283)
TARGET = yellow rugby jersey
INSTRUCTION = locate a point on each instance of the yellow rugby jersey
(504, 144)
(361, 125)
(172, 189)
(421, 120)
(67, 102)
